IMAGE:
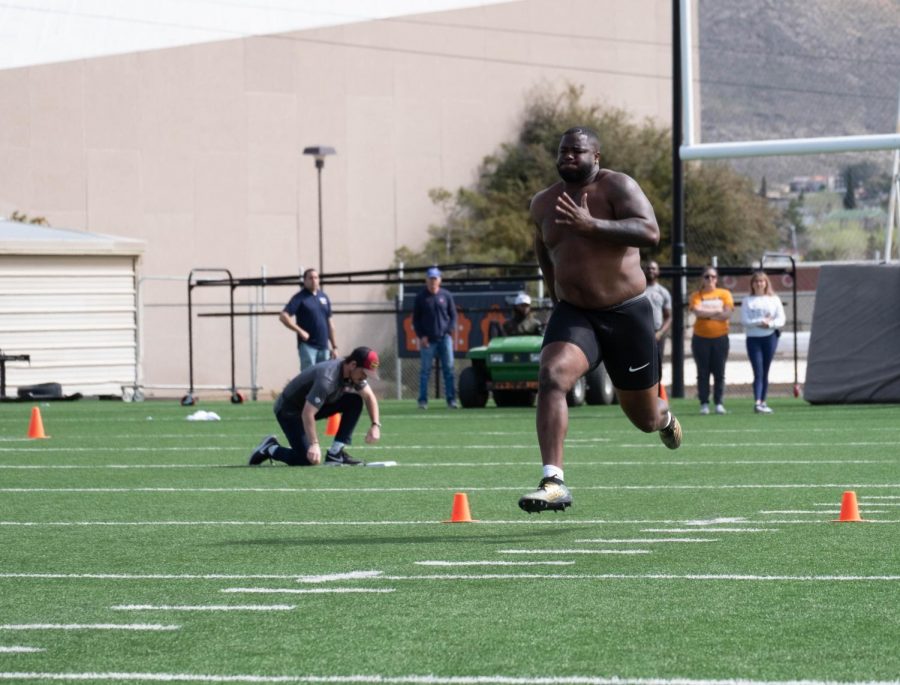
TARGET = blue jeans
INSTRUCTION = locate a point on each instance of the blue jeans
(761, 350)
(710, 355)
(310, 355)
(443, 349)
(349, 405)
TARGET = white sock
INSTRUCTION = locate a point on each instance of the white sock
(668, 421)
(553, 472)
(336, 447)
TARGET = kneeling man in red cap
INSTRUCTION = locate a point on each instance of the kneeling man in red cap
(338, 386)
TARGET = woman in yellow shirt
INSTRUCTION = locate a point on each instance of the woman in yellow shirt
(712, 307)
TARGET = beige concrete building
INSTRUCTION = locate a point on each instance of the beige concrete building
(197, 151)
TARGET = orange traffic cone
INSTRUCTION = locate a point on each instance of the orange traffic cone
(662, 392)
(334, 422)
(849, 508)
(460, 513)
(36, 427)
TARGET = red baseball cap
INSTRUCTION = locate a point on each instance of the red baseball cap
(365, 358)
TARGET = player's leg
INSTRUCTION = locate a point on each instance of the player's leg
(292, 426)
(562, 364)
(570, 348)
(631, 355)
(349, 406)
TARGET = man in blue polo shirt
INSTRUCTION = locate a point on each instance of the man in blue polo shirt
(314, 329)
(434, 320)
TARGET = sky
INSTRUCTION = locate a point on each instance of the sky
(45, 31)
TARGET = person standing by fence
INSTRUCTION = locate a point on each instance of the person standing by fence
(661, 301)
(712, 306)
(313, 326)
(762, 314)
(434, 320)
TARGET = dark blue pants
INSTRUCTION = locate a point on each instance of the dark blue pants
(710, 355)
(761, 351)
(349, 406)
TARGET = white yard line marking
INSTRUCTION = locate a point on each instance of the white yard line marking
(171, 576)
(573, 551)
(501, 488)
(645, 541)
(330, 577)
(307, 591)
(643, 576)
(484, 464)
(20, 650)
(709, 529)
(430, 679)
(482, 522)
(822, 512)
(415, 448)
(111, 466)
(87, 626)
(207, 607)
(495, 563)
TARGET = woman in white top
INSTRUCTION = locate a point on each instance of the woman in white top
(762, 316)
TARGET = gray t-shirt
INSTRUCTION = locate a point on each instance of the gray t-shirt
(660, 299)
(319, 385)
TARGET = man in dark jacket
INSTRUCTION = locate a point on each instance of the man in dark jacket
(434, 320)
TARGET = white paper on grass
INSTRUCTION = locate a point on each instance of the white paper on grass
(201, 415)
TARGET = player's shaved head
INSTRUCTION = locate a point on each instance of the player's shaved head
(588, 133)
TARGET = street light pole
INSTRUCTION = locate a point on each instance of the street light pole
(319, 152)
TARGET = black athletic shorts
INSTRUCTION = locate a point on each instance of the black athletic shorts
(622, 337)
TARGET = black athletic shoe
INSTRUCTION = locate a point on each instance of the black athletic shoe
(551, 494)
(260, 454)
(342, 459)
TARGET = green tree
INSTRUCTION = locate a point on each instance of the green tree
(850, 193)
(490, 221)
(792, 227)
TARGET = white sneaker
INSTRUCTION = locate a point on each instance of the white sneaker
(704, 409)
(720, 409)
(763, 409)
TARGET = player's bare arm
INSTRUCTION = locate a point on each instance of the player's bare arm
(543, 258)
(374, 433)
(308, 417)
(632, 223)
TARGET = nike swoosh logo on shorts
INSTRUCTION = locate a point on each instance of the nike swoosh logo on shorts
(633, 369)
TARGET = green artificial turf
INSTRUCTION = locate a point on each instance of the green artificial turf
(734, 568)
